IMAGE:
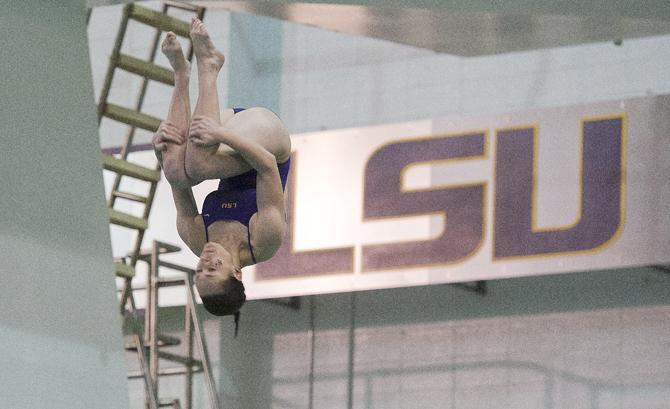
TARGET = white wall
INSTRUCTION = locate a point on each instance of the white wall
(333, 80)
(585, 340)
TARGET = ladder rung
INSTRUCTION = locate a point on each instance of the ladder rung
(179, 358)
(123, 270)
(177, 267)
(145, 254)
(167, 340)
(145, 69)
(159, 20)
(183, 6)
(167, 403)
(170, 282)
(130, 346)
(129, 196)
(165, 372)
(127, 220)
(126, 168)
(162, 341)
(130, 117)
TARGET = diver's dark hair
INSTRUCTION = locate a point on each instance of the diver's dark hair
(227, 301)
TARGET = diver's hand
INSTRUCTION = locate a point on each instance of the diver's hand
(167, 132)
(169, 147)
(204, 131)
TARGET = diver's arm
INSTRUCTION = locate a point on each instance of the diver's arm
(190, 226)
(206, 132)
(268, 225)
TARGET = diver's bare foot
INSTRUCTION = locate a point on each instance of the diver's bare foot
(209, 58)
(172, 50)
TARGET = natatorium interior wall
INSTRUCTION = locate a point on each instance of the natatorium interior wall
(587, 340)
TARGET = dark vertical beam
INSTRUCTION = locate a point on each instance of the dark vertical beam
(352, 342)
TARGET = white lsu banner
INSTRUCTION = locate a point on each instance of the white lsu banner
(466, 198)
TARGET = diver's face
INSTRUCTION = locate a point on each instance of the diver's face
(216, 264)
(213, 261)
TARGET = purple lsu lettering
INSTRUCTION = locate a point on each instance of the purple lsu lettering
(601, 207)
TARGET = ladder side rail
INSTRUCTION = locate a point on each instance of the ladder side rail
(106, 88)
(151, 398)
(104, 94)
(201, 343)
(126, 294)
(145, 215)
(151, 317)
(188, 327)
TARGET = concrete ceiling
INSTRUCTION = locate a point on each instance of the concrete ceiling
(475, 27)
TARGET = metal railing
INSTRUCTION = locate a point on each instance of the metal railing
(193, 330)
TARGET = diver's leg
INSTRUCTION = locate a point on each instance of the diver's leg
(256, 125)
(179, 113)
(209, 64)
(261, 126)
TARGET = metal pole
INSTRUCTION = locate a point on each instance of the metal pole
(312, 336)
(148, 384)
(202, 345)
(147, 308)
(188, 324)
(350, 366)
(152, 307)
(124, 295)
(151, 399)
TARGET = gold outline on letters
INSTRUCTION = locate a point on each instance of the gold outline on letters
(401, 189)
(534, 228)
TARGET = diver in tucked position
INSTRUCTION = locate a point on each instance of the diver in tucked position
(243, 221)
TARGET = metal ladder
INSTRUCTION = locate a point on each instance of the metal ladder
(134, 118)
(122, 167)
